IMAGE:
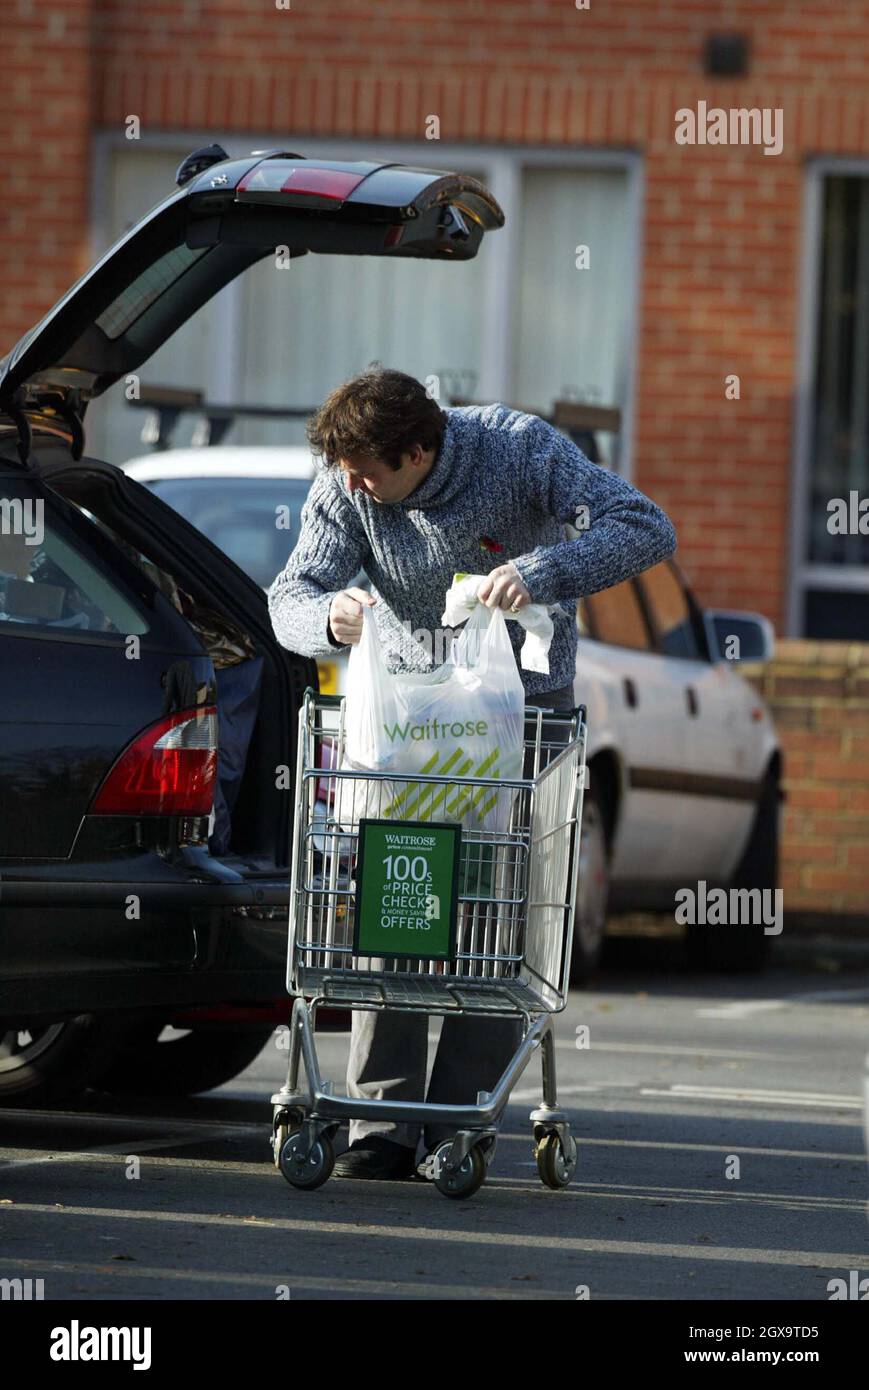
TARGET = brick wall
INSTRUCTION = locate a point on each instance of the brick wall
(721, 228)
(721, 236)
(819, 696)
(46, 112)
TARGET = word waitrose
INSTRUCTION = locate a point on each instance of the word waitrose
(437, 728)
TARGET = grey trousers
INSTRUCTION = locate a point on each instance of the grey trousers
(389, 1051)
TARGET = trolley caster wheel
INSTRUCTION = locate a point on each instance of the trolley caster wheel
(556, 1160)
(308, 1172)
(289, 1124)
(466, 1179)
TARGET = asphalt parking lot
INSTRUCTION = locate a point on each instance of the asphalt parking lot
(720, 1132)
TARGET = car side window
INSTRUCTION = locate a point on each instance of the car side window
(615, 616)
(669, 611)
(46, 581)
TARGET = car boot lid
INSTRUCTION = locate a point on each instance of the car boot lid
(227, 214)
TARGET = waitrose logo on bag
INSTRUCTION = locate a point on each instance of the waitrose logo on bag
(436, 728)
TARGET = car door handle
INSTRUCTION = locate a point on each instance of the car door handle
(630, 689)
(691, 701)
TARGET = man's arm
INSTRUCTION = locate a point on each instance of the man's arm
(622, 532)
(331, 549)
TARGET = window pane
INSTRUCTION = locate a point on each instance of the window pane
(196, 357)
(145, 289)
(840, 457)
(572, 330)
(671, 617)
(240, 516)
(301, 330)
(310, 326)
(45, 581)
(618, 618)
(837, 615)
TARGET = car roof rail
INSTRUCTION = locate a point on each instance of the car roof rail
(166, 405)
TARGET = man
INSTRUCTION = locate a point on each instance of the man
(411, 493)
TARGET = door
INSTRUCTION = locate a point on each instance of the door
(161, 536)
(222, 221)
(70, 700)
(715, 785)
(652, 732)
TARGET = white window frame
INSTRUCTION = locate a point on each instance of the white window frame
(502, 167)
(803, 575)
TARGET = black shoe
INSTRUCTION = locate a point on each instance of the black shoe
(376, 1157)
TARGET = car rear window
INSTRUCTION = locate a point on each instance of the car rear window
(146, 289)
(46, 578)
(255, 521)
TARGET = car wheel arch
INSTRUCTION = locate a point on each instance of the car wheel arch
(607, 774)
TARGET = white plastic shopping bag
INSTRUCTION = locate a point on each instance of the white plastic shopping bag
(464, 719)
(534, 617)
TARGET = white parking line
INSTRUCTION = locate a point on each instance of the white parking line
(104, 1118)
(132, 1149)
(654, 1049)
(535, 1093)
(323, 1228)
(831, 996)
(295, 1282)
(802, 1099)
(585, 1141)
(744, 1008)
(741, 1008)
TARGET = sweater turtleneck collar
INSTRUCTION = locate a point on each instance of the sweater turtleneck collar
(443, 480)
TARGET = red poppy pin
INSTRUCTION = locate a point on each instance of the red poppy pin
(493, 547)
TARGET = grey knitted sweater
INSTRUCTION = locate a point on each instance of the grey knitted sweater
(501, 478)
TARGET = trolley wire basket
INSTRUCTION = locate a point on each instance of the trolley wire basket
(502, 947)
(516, 884)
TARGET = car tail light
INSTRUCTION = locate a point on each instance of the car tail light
(169, 770)
(276, 177)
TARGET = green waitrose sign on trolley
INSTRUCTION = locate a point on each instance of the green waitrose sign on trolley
(407, 879)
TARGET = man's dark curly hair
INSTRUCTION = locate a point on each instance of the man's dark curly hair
(379, 414)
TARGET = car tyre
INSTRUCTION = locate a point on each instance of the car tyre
(592, 891)
(742, 948)
(147, 1064)
(45, 1062)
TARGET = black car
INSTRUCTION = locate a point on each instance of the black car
(147, 714)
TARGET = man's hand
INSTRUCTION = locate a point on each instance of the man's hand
(503, 588)
(345, 615)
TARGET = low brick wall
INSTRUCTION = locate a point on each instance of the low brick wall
(819, 696)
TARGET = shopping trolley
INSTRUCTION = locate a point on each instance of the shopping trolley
(483, 927)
